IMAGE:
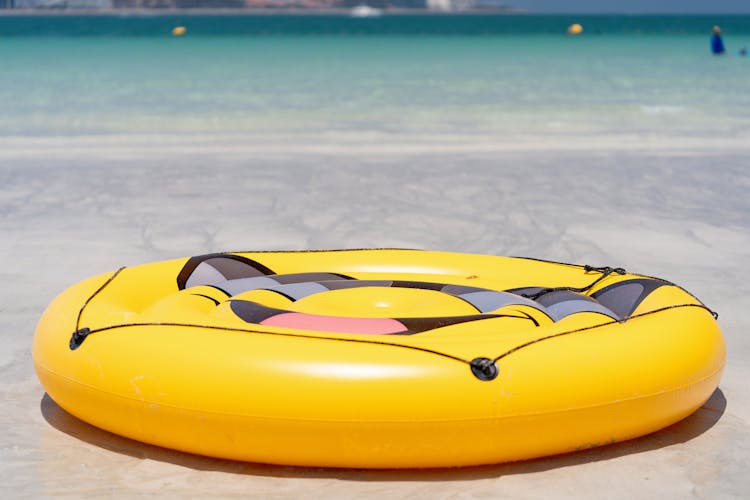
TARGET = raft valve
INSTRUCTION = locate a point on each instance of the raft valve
(78, 337)
(484, 369)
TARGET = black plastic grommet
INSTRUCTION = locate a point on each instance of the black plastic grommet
(78, 337)
(484, 368)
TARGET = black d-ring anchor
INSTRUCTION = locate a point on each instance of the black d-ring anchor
(484, 369)
(78, 337)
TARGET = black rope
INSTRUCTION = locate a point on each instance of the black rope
(280, 334)
(606, 271)
(79, 334)
(592, 327)
(484, 369)
(617, 270)
(713, 313)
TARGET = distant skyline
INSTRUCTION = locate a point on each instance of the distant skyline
(634, 6)
(530, 6)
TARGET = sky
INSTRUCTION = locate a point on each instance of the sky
(635, 6)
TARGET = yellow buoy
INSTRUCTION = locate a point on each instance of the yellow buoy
(575, 29)
(179, 31)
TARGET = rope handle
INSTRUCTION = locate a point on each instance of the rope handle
(80, 334)
(606, 271)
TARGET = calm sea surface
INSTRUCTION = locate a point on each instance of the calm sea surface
(484, 75)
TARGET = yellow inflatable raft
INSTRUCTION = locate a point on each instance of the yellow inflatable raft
(377, 358)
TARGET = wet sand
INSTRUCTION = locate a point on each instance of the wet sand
(74, 208)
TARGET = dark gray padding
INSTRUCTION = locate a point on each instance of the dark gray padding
(462, 289)
(204, 274)
(487, 300)
(229, 266)
(286, 279)
(214, 270)
(562, 303)
(341, 284)
(238, 286)
(252, 312)
(528, 291)
(232, 268)
(624, 297)
(296, 291)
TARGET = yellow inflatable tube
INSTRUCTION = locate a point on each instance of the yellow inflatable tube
(377, 358)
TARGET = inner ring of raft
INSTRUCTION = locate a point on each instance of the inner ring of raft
(238, 277)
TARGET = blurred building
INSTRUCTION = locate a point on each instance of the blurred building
(61, 4)
(178, 4)
(465, 5)
(439, 5)
(431, 5)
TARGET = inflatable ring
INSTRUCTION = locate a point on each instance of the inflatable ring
(377, 358)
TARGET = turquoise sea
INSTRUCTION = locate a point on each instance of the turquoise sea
(486, 76)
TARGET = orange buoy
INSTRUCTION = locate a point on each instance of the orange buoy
(575, 29)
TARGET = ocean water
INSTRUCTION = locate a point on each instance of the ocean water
(319, 78)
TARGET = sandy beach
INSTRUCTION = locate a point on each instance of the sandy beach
(69, 212)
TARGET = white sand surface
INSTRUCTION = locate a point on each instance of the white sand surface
(73, 208)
